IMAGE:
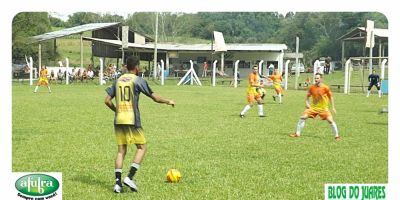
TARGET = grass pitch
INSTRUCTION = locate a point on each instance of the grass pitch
(220, 155)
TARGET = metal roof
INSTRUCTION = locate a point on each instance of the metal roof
(359, 33)
(196, 47)
(73, 30)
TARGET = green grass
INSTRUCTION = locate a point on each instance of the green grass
(220, 155)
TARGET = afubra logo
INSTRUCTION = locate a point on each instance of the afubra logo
(36, 186)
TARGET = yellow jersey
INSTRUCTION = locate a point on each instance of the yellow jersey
(320, 97)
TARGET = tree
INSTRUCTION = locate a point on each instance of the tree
(24, 26)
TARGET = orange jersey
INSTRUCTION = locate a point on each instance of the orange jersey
(320, 97)
(253, 79)
(43, 73)
(276, 79)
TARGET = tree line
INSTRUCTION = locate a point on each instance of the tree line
(318, 31)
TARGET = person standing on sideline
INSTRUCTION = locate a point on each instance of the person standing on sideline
(252, 94)
(374, 79)
(127, 123)
(276, 82)
(205, 68)
(321, 96)
(43, 80)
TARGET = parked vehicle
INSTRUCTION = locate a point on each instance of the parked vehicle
(301, 68)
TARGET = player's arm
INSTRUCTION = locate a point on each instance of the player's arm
(146, 90)
(333, 104)
(159, 99)
(110, 95)
(109, 103)
(307, 101)
(253, 83)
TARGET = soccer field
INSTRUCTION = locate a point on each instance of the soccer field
(220, 155)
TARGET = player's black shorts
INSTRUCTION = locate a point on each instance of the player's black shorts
(376, 85)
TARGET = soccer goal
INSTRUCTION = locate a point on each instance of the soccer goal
(357, 70)
(190, 76)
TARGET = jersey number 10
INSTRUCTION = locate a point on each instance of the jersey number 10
(125, 93)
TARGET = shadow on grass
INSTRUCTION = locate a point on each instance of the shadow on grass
(94, 182)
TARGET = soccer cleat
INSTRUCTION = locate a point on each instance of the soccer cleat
(294, 135)
(338, 138)
(117, 188)
(131, 184)
(241, 116)
(261, 115)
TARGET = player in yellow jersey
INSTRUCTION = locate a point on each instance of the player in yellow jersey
(43, 80)
(276, 79)
(127, 123)
(252, 94)
(321, 96)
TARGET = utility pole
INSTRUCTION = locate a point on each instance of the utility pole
(297, 64)
(155, 50)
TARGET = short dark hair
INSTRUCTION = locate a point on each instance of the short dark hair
(318, 74)
(132, 62)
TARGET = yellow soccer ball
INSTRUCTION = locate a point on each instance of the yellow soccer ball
(173, 176)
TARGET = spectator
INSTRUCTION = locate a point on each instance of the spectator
(60, 76)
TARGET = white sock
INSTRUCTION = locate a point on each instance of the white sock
(260, 109)
(369, 91)
(280, 98)
(49, 88)
(135, 165)
(335, 129)
(36, 88)
(300, 126)
(379, 93)
(245, 109)
(118, 170)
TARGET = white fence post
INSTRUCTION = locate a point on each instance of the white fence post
(286, 73)
(236, 68)
(383, 69)
(191, 74)
(30, 65)
(346, 76)
(317, 65)
(162, 72)
(214, 69)
(260, 67)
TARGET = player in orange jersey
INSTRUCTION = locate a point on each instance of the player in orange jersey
(321, 96)
(252, 94)
(43, 79)
(276, 79)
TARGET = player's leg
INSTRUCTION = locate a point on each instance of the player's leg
(48, 86)
(379, 90)
(302, 122)
(333, 125)
(280, 94)
(136, 137)
(119, 160)
(250, 100)
(369, 89)
(37, 85)
(260, 106)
